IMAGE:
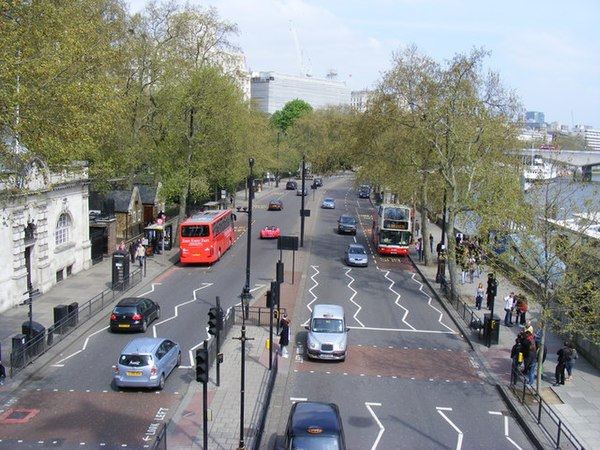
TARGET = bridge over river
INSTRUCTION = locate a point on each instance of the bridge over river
(581, 161)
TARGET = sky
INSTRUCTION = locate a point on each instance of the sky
(548, 52)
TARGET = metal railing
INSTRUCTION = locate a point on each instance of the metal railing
(37, 344)
(544, 415)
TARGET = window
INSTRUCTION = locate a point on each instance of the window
(63, 227)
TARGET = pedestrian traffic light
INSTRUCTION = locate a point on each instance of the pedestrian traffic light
(269, 299)
(213, 321)
(202, 365)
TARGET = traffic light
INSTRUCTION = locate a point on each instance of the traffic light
(269, 299)
(202, 365)
(213, 321)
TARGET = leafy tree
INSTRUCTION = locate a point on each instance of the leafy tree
(292, 111)
(58, 80)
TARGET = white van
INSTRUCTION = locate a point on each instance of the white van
(327, 333)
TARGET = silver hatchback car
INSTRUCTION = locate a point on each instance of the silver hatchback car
(356, 255)
(146, 362)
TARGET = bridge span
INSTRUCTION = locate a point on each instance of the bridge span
(582, 161)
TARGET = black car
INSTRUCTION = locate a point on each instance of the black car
(291, 185)
(134, 313)
(347, 224)
(315, 425)
(318, 182)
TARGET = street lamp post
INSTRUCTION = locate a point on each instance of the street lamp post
(246, 295)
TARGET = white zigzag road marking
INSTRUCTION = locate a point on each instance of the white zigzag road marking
(397, 301)
(352, 297)
(310, 291)
(429, 299)
(458, 431)
(381, 427)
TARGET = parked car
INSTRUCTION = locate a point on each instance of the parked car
(291, 185)
(314, 425)
(300, 192)
(270, 232)
(146, 362)
(134, 313)
(328, 203)
(275, 205)
(356, 255)
(347, 224)
(327, 333)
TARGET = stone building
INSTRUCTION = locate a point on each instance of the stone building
(44, 221)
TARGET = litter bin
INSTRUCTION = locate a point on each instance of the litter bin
(17, 356)
(73, 311)
(491, 329)
(61, 317)
(35, 333)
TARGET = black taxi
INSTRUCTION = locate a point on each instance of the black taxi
(314, 426)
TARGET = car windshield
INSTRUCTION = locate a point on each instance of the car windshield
(125, 310)
(329, 200)
(347, 220)
(134, 360)
(357, 250)
(327, 325)
(315, 443)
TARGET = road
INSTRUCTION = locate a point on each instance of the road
(410, 380)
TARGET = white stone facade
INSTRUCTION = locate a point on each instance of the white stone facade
(45, 228)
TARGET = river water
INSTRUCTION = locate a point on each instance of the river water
(573, 196)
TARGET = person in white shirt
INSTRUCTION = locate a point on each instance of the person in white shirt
(509, 304)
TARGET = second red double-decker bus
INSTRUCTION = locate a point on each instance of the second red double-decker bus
(392, 229)
(205, 236)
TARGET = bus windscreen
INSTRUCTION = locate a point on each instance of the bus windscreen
(194, 231)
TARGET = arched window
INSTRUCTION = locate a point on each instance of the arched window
(63, 229)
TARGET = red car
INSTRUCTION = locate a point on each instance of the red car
(270, 232)
(275, 205)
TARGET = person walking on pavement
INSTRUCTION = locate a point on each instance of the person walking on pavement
(140, 253)
(509, 303)
(479, 296)
(564, 355)
(284, 335)
(569, 364)
(431, 243)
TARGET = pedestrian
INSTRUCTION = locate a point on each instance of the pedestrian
(420, 248)
(564, 356)
(2, 373)
(132, 249)
(472, 267)
(523, 312)
(509, 304)
(464, 268)
(431, 243)
(528, 327)
(417, 228)
(140, 253)
(569, 364)
(531, 359)
(284, 335)
(516, 356)
(479, 295)
(121, 247)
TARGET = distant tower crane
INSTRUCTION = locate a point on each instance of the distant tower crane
(304, 71)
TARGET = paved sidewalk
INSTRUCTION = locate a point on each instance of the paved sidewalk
(577, 403)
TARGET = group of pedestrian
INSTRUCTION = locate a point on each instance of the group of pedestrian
(567, 354)
(137, 251)
(524, 356)
(517, 305)
(469, 256)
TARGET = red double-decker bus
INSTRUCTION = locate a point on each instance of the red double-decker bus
(392, 229)
(205, 236)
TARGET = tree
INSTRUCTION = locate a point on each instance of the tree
(292, 111)
(58, 67)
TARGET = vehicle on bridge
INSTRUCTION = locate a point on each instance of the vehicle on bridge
(205, 236)
(392, 229)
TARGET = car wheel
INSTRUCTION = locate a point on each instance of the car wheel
(161, 383)
(144, 325)
(178, 363)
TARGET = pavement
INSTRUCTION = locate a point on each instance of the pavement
(577, 403)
